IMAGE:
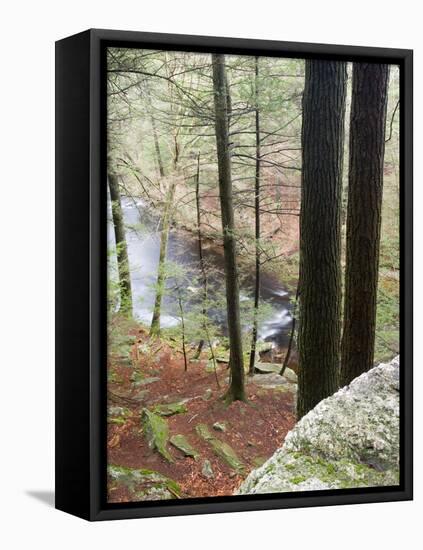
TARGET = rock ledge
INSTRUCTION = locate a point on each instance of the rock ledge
(350, 439)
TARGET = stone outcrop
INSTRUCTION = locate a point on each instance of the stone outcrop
(350, 439)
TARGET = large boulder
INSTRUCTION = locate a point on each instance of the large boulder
(350, 439)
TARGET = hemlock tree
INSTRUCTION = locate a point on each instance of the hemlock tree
(121, 247)
(236, 389)
(161, 268)
(367, 147)
(320, 232)
(251, 368)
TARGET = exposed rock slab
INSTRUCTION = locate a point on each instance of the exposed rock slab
(169, 409)
(180, 442)
(144, 484)
(156, 430)
(350, 439)
(220, 448)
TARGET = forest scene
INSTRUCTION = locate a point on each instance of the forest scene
(253, 274)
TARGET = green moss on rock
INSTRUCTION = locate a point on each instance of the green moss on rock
(180, 442)
(220, 448)
(144, 484)
(168, 409)
(156, 431)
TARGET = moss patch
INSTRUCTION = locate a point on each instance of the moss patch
(221, 449)
(156, 431)
(168, 409)
(180, 442)
(144, 484)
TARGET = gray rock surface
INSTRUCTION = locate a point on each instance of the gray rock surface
(350, 439)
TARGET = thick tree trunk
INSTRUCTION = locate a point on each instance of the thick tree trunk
(161, 271)
(121, 247)
(257, 225)
(236, 390)
(367, 148)
(320, 232)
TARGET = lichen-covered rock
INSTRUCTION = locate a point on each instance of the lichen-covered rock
(143, 484)
(272, 381)
(168, 409)
(350, 439)
(180, 442)
(207, 469)
(220, 426)
(156, 431)
(220, 448)
(268, 367)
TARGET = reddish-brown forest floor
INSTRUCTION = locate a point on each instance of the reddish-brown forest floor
(255, 429)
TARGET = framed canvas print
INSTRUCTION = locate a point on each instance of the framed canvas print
(233, 274)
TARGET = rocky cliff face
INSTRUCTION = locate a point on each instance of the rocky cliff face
(350, 439)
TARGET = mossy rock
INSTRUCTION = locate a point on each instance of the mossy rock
(220, 448)
(207, 394)
(144, 484)
(263, 347)
(223, 357)
(207, 469)
(265, 368)
(118, 411)
(168, 409)
(145, 381)
(180, 442)
(156, 431)
(220, 426)
(349, 440)
(291, 472)
(290, 375)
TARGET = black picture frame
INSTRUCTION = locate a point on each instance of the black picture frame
(81, 274)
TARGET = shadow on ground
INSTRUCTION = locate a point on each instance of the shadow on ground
(46, 497)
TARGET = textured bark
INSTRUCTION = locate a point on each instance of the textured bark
(181, 311)
(236, 390)
(200, 255)
(161, 271)
(155, 133)
(157, 147)
(121, 247)
(367, 148)
(257, 224)
(291, 336)
(320, 232)
(204, 279)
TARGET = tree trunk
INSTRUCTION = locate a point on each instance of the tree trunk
(236, 390)
(257, 224)
(291, 336)
(367, 148)
(157, 147)
(320, 232)
(204, 311)
(161, 271)
(181, 311)
(121, 247)
(155, 134)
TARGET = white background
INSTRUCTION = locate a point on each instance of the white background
(27, 36)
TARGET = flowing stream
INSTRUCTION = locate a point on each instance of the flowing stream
(143, 237)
